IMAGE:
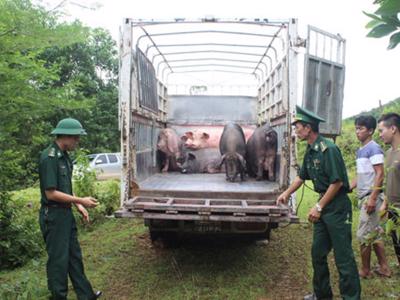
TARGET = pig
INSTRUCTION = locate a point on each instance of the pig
(206, 160)
(233, 149)
(208, 136)
(171, 146)
(197, 139)
(261, 151)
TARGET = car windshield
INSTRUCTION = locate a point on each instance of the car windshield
(91, 157)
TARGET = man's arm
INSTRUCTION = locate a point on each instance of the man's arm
(284, 197)
(330, 193)
(353, 184)
(376, 189)
(54, 195)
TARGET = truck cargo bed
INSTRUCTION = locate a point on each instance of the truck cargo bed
(206, 198)
(206, 185)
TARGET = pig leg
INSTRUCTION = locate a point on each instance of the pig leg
(241, 174)
(174, 166)
(269, 167)
(260, 169)
(166, 165)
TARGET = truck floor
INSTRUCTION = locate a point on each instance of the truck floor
(206, 183)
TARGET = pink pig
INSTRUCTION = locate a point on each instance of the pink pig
(171, 146)
(209, 136)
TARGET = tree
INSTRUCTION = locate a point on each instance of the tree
(27, 91)
(385, 21)
(50, 70)
(93, 66)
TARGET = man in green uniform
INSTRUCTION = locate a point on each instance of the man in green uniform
(56, 220)
(332, 215)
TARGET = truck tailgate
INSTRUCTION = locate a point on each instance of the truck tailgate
(201, 209)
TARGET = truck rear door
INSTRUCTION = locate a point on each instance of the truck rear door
(324, 72)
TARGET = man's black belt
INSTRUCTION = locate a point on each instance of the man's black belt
(58, 205)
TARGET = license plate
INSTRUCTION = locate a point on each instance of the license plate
(207, 227)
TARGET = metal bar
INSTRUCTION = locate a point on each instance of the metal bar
(212, 65)
(208, 51)
(159, 51)
(203, 44)
(337, 64)
(126, 99)
(245, 21)
(207, 59)
(205, 31)
(213, 51)
(262, 219)
(209, 65)
(215, 70)
(270, 46)
(323, 32)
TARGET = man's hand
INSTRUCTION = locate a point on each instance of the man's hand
(383, 209)
(370, 205)
(282, 199)
(82, 210)
(89, 202)
(314, 215)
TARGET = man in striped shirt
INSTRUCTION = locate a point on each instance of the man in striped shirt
(369, 180)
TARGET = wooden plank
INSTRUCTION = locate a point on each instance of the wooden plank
(195, 217)
(210, 194)
(249, 202)
(216, 208)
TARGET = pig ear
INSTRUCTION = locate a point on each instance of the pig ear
(242, 161)
(189, 135)
(184, 138)
(205, 136)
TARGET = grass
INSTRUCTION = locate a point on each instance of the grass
(121, 260)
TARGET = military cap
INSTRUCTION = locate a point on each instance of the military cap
(306, 116)
(69, 126)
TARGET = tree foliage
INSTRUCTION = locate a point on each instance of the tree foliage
(385, 21)
(50, 70)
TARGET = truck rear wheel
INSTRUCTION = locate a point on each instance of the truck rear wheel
(168, 239)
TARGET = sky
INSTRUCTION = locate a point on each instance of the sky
(371, 70)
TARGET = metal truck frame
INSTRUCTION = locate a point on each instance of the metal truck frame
(145, 68)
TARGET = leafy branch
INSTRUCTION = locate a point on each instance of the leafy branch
(385, 21)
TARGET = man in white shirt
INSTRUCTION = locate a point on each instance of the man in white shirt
(369, 181)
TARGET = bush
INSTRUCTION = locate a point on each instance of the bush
(83, 178)
(28, 287)
(20, 238)
(107, 193)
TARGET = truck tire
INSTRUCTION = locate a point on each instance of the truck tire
(168, 239)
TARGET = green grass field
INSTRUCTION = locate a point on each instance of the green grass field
(121, 260)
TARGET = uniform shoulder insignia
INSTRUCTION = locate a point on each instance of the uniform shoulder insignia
(323, 146)
(52, 152)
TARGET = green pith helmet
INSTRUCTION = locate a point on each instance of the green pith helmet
(69, 126)
(307, 116)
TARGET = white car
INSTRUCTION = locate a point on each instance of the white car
(106, 165)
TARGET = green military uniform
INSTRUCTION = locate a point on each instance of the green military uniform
(324, 165)
(58, 226)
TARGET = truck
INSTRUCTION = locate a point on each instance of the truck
(201, 73)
